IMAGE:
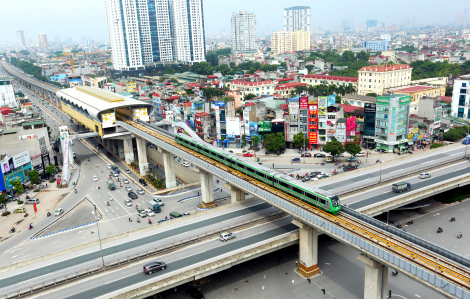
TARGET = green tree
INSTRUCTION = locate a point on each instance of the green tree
(4, 200)
(348, 56)
(249, 96)
(243, 140)
(255, 140)
(292, 93)
(352, 148)
(363, 56)
(449, 91)
(371, 94)
(453, 134)
(309, 67)
(24, 52)
(274, 142)
(334, 147)
(33, 176)
(299, 139)
(338, 99)
(50, 169)
(18, 186)
(169, 70)
(239, 110)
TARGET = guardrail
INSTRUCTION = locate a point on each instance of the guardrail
(98, 266)
(407, 236)
(196, 196)
(391, 178)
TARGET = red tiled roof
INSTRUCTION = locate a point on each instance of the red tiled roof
(412, 89)
(446, 99)
(385, 69)
(173, 98)
(249, 104)
(290, 85)
(5, 110)
(328, 77)
(284, 79)
(212, 77)
(347, 108)
(248, 83)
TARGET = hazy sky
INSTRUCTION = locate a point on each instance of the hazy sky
(88, 18)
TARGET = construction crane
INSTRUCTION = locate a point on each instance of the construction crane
(70, 59)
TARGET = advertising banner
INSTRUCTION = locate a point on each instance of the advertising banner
(330, 100)
(264, 126)
(392, 125)
(383, 101)
(351, 124)
(322, 105)
(370, 108)
(108, 120)
(16, 176)
(233, 125)
(253, 128)
(7, 165)
(141, 113)
(406, 100)
(303, 103)
(220, 103)
(21, 159)
(284, 106)
(246, 122)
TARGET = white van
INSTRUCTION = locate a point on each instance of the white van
(32, 201)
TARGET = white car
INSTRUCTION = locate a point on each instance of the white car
(361, 154)
(128, 203)
(424, 175)
(186, 164)
(125, 181)
(140, 191)
(128, 188)
(108, 166)
(159, 201)
(58, 212)
(186, 214)
(128, 170)
(149, 212)
(95, 178)
(143, 213)
(226, 236)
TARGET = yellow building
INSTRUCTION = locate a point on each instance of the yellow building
(130, 86)
(300, 40)
(286, 41)
(379, 79)
(281, 41)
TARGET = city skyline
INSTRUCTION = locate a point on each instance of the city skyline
(217, 18)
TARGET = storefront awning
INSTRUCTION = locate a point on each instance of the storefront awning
(410, 142)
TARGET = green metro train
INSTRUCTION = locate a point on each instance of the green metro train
(307, 193)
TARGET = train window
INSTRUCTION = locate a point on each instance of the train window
(284, 184)
(296, 189)
(312, 197)
(321, 200)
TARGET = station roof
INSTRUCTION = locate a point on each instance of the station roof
(93, 101)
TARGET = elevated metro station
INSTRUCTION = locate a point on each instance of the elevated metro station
(97, 109)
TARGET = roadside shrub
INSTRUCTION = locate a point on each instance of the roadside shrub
(51, 181)
(6, 213)
(36, 190)
(436, 145)
(20, 202)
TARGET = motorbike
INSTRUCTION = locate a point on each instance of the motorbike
(12, 231)
(27, 197)
(394, 273)
(26, 214)
(452, 219)
(130, 220)
(150, 221)
(108, 203)
(30, 227)
(440, 231)
(399, 225)
(459, 236)
(138, 220)
(410, 221)
(75, 191)
(48, 214)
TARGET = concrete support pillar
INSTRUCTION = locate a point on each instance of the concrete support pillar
(376, 280)
(169, 165)
(235, 193)
(207, 190)
(308, 250)
(115, 146)
(128, 151)
(109, 145)
(142, 153)
(120, 144)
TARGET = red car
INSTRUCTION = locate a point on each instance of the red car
(247, 155)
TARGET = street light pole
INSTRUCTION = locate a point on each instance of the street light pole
(304, 149)
(380, 163)
(466, 144)
(99, 237)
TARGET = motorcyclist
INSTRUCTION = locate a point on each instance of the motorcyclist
(12, 230)
(399, 225)
(459, 235)
(439, 229)
(130, 219)
(452, 218)
(75, 191)
(30, 226)
(411, 221)
(107, 203)
(138, 220)
(150, 221)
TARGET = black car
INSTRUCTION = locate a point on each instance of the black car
(349, 168)
(319, 155)
(195, 293)
(143, 182)
(132, 195)
(154, 267)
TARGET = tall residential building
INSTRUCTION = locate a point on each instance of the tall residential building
(244, 32)
(297, 18)
(281, 41)
(380, 45)
(300, 40)
(461, 97)
(145, 33)
(43, 44)
(22, 39)
(378, 80)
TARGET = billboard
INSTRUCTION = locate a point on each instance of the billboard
(233, 125)
(264, 126)
(7, 165)
(322, 105)
(253, 128)
(370, 108)
(141, 113)
(330, 100)
(21, 159)
(16, 176)
(220, 103)
(246, 122)
(108, 119)
(303, 103)
(437, 117)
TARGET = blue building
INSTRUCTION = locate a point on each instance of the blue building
(379, 45)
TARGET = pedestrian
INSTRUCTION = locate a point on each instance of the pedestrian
(166, 217)
(308, 279)
(46, 184)
(133, 182)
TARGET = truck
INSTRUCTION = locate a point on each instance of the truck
(401, 187)
(154, 206)
(111, 185)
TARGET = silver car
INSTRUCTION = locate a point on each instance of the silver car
(226, 236)
(424, 175)
(140, 191)
(128, 188)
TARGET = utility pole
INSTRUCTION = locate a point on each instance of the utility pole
(99, 237)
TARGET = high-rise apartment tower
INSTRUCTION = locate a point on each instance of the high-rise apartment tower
(146, 32)
(244, 32)
(22, 40)
(43, 44)
(297, 18)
